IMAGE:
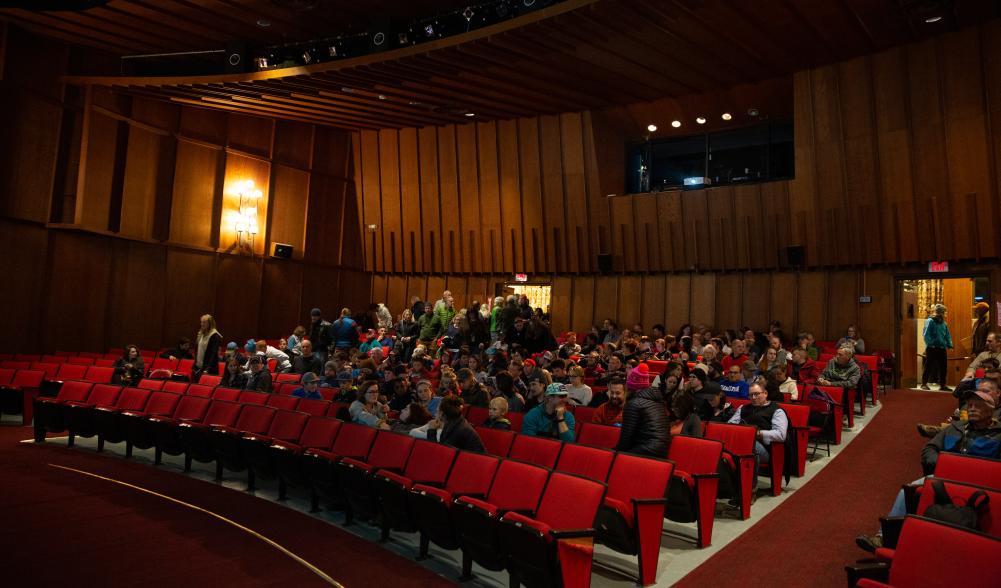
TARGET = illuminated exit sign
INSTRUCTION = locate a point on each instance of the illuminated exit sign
(938, 267)
(520, 277)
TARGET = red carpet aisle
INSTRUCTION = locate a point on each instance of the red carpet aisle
(809, 538)
(62, 527)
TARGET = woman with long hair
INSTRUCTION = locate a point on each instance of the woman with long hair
(129, 368)
(208, 342)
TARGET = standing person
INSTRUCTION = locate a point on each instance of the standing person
(344, 331)
(319, 334)
(981, 327)
(207, 344)
(367, 410)
(416, 308)
(129, 368)
(937, 343)
(406, 335)
(495, 322)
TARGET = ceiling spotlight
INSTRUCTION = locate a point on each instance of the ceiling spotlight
(932, 19)
(753, 112)
(726, 116)
(382, 96)
(675, 123)
(470, 114)
(701, 120)
(468, 13)
(263, 23)
(651, 128)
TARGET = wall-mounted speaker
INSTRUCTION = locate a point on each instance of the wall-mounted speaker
(283, 251)
(794, 256)
(605, 263)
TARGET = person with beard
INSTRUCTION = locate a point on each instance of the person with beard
(551, 418)
(610, 412)
(645, 428)
(472, 392)
(768, 417)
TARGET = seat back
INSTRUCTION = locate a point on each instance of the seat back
(6, 376)
(799, 415)
(286, 388)
(430, 463)
(537, 450)
(70, 371)
(320, 433)
(15, 365)
(517, 419)
(472, 473)
(105, 363)
(192, 408)
(89, 354)
(390, 451)
(287, 425)
(633, 476)
(477, 415)
(104, 395)
(989, 520)
(58, 359)
(28, 378)
(929, 553)
(163, 364)
(175, 387)
(694, 455)
(656, 366)
(50, 369)
(27, 357)
(495, 441)
(132, 399)
(354, 440)
(583, 414)
(147, 384)
(222, 413)
(87, 361)
(282, 402)
(255, 418)
(518, 486)
(979, 471)
(74, 391)
(588, 462)
(99, 375)
(209, 380)
(313, 407)
(559, 513)
(162, 403)
(288, 378)
(737, 439)
(185, 366)
(253, 397)
(228, 394)
(335, 409)
(200, 390)
(598, 435)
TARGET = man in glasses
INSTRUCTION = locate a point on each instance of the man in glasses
(771, 421)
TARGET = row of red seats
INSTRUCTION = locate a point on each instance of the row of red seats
(379, 471)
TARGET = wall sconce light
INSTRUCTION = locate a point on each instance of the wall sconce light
(246, 220)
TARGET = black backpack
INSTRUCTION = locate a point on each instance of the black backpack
(967, 515)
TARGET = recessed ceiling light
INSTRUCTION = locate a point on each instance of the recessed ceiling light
(263, 23)
(651, 128)
(382, 96)
(726, 116)
(675, 123)
(932, 19)
(701, 120)
(470, 114)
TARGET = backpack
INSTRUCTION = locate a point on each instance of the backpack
(945, 510)
(864, 387)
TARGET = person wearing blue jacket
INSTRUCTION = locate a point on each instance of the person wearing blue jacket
(551, 418)
(937, 343)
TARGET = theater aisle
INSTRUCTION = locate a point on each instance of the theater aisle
(809, 539)
(62, 526)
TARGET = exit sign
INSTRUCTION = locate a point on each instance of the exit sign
(938, 267)
(520, 277)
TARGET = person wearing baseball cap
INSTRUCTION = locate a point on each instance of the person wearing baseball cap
(551, 418)
(981, 327)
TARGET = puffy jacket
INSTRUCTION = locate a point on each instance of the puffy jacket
(937, 333)
(645, 429)
(959, 437)
(345, 332)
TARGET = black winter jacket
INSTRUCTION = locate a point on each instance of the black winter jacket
(459, 434)
(645, 428)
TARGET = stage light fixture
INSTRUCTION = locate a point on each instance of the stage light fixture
(429, 31)
(652, 128)
(753, 112)
(307, 57)
(379, 39)
(470, 114)
(261, 62)
(263, 23)
(701, 120)
(332, 50)
(676, 123)
(933, 19)
(382, 96)
(403, 39)
(468, 13)
(726, 116)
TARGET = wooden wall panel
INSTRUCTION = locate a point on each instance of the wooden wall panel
(646, 235)
(380, 288)
(630, 301)
(703, 300)
(25, 250)
(480, 289)
(531, 197)
(623, 246)
(238, 290)
(250, 133)
(456, 284)
(202, 123)
(469, 241)
(368, 174)
(811, 302)
(288, 211)
(137, 294)
(331, 290)
(140, 183)
(729, 294)
(239, 169)
(670, 225)
(512, 237)
(451, 206)
(747, 232)
(333, 150)
(776, 232)
(77, 259)
(563, 299)
(722, 250)
(281, 299)
(493, 254)
(695, 211)
(391, 229)
(94, 200)
(582, 310)
(190, 293)
(606, 295)
(578, 252)
(194, 183)
(990, 49)
(431, 222)
(829, 212)
(802, 190)
(326, 222)
(679, 299)
(842, 303)
(782, 303)
(594, 180)
(875, 318)
(31, 132)
(654, 301)
(435, 288)
(294, 144)
(755, 298)
(396, 295)
(411, 205)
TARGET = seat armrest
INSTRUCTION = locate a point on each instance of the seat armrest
(891, 527)
(703, 476)
(522, 511)
(878, 571)
(648, 500)
(571, 533)
(107, 409)
(476, 495)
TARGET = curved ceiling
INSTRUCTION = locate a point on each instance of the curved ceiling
(572, 56)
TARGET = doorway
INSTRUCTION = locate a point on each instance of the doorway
(539, 295)
(917, 299)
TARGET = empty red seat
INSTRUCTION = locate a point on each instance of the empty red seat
(254, 448)
(798, 434)
(58, 359)
(107, 424)
(185, 367)
(471, 475)
(314, 407)
(79, 415)
(694, 484)
(210, 380)
(353, 441)
(517, 419)
(496, 441)
(70, 371)
(18, 397)
(160, 363)
(48, 412)
(842, 406)
(200, 390)
(99, 375)
(287, 388)
(588, 462)
(133, 426)
(537, 450)
(164, 432)
(738, 461)
(78, 360)
(554, 547)
(477, 415)
(253, 397)
(428, 464)
(7, 376)
(224, 439)
(631, 517)
(582, 414)
(283, 402)
(89, 354)
(980, 471)
(516, 487)
(656, 366)
(286, 458)
(598, 435)
(194, 435)
(50, 369)
(147, 384)
(11, 364)
(104, 363)
(227, 394)
(175, 387)
(389, 453)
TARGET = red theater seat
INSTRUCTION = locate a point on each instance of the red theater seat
(195, 434)
(107, 423)
(798, 434)
(79, 415)
(694, 484)
(210, 380)
(255, 450)
(286, 458)
(738, 460)
(227, 394)
(537, 450)
(70, 371)
(147, 384)
(100, 375)
(314, 407)
(50, 369)
(49, 413)
(224, 440)
(389, 453)
(175, 387)
(86, 361)
(354, 441)
(587, 462)
(598, 435)
(429, 464)
(18, 397)
(495, 441)
(477, 415)
(134, 426)
(283, 402)
(253, 397)
(985, 500)
(980, 471)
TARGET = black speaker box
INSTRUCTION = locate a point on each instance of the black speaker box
(283, 251)
(605, 263)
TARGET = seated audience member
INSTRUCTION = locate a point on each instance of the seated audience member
(129, 368)
(852, 339)
(979, 435)
(471, 391)
(366, 409)
(993, 351)
(720, 409)
(292, 344)
(778, 383)
(426, 397)
(497, 418)
(770, 360)
(734, 385)
(536, 394)
(451, 428)
(346, 390)
(516, 368)
(578, 392)
(804, 370)
(645, 427)
(550, 419)
(638, 378)
(703, 389)
(686, 420)
(412, 416)
(570, 347)
(749, 371)
(180, 351)
(329, 379)
(616, 369)
(259, 377)
(805, 342)
(558, 368)
(400, 397)
(308, 389)
(768, 417)
(841, 370)
(610, 412)
(282, 363)
(751, 346)
(737, 357)
(233, 350)
(308, 361)
(234, 376)
(504, 384)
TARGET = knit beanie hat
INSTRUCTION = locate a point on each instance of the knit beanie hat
(639, 378)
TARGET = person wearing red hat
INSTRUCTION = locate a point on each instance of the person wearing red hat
(638, 378)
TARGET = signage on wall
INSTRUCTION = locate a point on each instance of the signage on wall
(864, 299)
(520, 277)
(938, 267)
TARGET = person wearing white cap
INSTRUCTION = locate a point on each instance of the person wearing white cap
(551, 418)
